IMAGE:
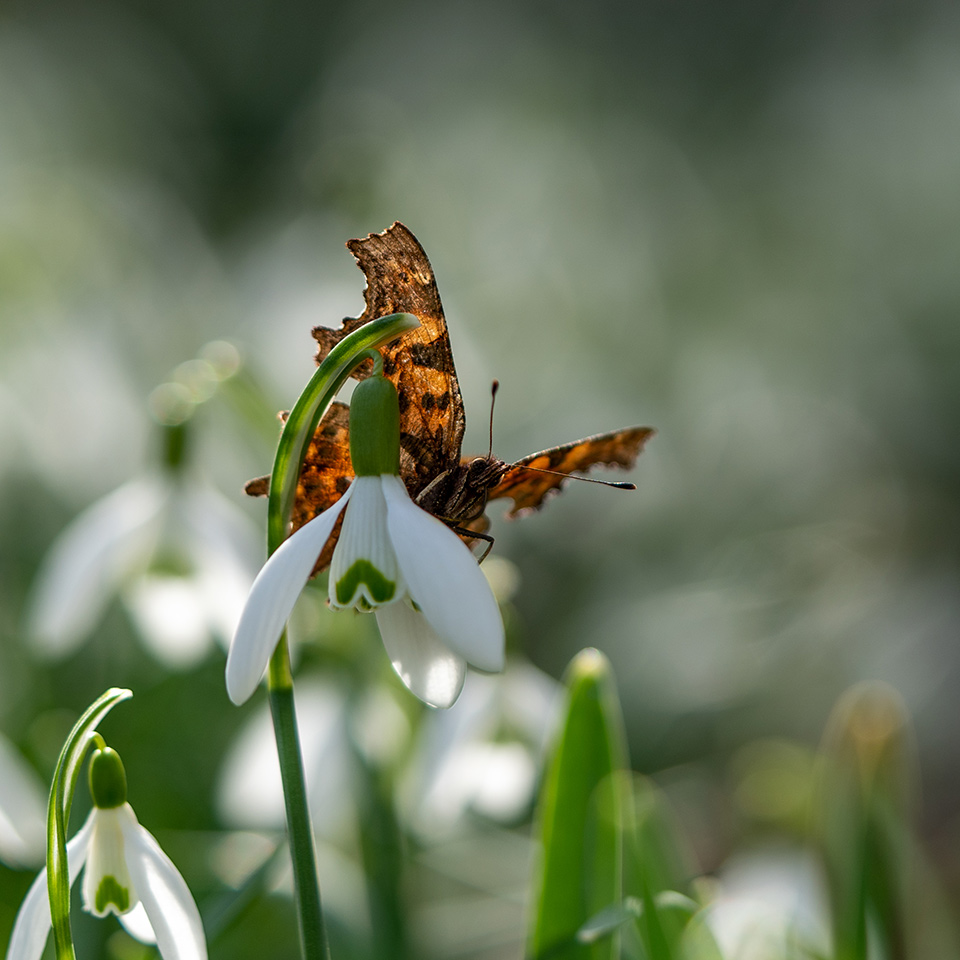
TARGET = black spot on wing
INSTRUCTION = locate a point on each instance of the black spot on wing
(431, 355)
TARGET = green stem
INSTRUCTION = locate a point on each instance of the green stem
(64, 785)
(306, 885)
(297, 433)
(294, 440)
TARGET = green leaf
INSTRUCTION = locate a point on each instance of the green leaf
(58, 814)
(580, 817)
(311, 405)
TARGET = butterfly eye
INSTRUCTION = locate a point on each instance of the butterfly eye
(478, 469)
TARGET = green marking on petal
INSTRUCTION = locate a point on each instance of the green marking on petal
(381, 589)
(111, 892)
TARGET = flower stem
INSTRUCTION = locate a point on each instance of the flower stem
(294, 440)
(58, 815)
(302, 420)
(313, 934)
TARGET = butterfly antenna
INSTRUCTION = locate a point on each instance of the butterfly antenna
(494, 387)
(616, 484)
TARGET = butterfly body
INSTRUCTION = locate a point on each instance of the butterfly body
(432, 418)
(460, 493)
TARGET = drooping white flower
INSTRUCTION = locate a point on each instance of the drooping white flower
(434, 607)
(126, 873)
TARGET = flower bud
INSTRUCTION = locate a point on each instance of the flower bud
(375, 428)
(108, 779)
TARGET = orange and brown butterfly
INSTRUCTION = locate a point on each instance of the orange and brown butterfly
(432, 420)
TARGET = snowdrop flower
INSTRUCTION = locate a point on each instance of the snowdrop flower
(179, 555)
(126, 873)
(434, 607)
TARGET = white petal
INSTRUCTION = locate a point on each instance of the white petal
(33, 921)
(86, 564)
(226, 552)
(106, 859)
(445, 580)
(271, 600)
(430, 670)
(23, 807)
(364, 538)
(138, 925)
(164, 895)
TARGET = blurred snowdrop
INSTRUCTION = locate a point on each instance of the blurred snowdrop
(23, 806)
(771, 903)
(179, 555)
(249, 791)
(482, 755)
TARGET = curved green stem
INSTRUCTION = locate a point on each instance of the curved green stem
(62, 789)
(297, 433)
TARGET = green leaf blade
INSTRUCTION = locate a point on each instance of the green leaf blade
(580, 817)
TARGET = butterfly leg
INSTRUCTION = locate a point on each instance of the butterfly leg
(473, 535)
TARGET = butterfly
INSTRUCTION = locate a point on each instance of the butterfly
(432, 419)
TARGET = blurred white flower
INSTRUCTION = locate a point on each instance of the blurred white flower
(770, 902)
(126, 874)
(249, 793)
(178, 554)
(482, 755)
(23, 806)
(249, 790)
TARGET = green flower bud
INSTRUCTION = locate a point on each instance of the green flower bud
(108, 779)
(375, 428)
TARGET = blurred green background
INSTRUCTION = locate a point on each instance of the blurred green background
(737, 222)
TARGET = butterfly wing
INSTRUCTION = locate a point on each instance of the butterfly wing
(324, 477)
(326, 472)
(420, 362)
(527, 488)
